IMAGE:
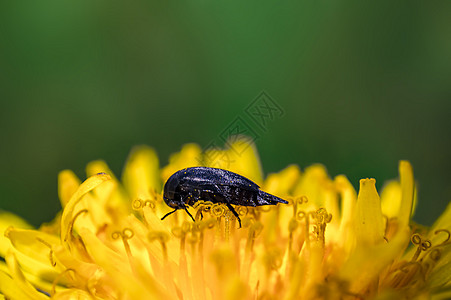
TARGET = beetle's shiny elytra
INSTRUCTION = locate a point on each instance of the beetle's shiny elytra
(187, 186)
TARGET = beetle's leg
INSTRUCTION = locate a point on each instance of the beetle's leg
(234, 212)
(185, 198)
(201, 215)
(186, 209)
(171, 212)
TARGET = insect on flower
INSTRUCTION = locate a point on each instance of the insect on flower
(187, 186)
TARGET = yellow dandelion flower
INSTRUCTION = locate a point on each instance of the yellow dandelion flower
(329, 242)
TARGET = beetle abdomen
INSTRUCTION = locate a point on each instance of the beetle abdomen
(268, 199)
(231, 195)
(237, 196)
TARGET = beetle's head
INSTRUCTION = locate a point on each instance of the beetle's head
(174, 203)
(172, 196)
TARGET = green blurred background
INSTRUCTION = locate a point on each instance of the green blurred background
(362, 85)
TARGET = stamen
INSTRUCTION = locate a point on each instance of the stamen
(299, 201)
(292, 226)
(429, 261)
(303, 199)
(300, 215)
(186, 227)
(255, 228)
(264, 208)
(242, 211)
(137, 204)
(52, 261)
(91, 286)
(126, 234)
(446, 241)
(201, 208)
(157, 197)
(218, 210)
(303, 217)
(205, 224)
(197, 262)
(322, 218)
(201, 203)
(422, 266)
(149, 203)
(193, 239)
(273, 260)
(181, 232)
(72, 222)
(407, 279)
(423, 245)
(177, 231)
(408, 274)
(435, 254)
(227, 216)
(163, 238)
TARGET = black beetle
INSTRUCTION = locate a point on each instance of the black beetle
(187, 186)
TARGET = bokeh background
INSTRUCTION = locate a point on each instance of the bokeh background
(362, 85)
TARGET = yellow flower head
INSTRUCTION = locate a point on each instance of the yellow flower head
(329, 242)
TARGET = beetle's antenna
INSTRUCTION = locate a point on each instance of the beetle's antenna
(186, 209)
(171, 212)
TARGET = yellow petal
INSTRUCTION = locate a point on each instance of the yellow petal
(120, 270)
(312, 185)
(440, 295)
(34, 251)
(85, 270)
(68, 183)
(36, 280)
(444, 221)
(348, 201)
(441, 274)
(158, 228)
(11, 289)
(142, 173)
(68, 213)
(369, 226)
(240, 157)
(226, 272)
(367, 262)
(237, 290)
(9, 220)
(111, 197)
(408, 190)
(72, 294)
(189, 156)
(34, 244)
(282, 183)
(99, 166)
(19, 278)
(391, 198)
